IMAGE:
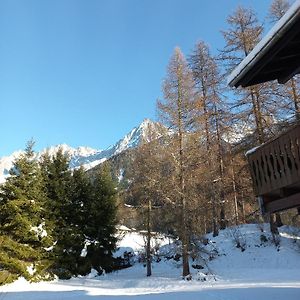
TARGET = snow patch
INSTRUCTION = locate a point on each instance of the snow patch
(39, 230)
(121, 175)
(84, 250)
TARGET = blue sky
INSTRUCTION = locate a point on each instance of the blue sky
(85, 72)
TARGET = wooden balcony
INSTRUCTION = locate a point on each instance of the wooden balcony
(275, 171)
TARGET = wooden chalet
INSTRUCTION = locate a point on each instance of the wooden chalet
(275, 165)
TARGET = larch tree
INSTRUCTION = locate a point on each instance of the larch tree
(243, 34)
(146, 188)
(177, 112)
(209, 115)
(247, 106)
(256, 105)
(277, 9)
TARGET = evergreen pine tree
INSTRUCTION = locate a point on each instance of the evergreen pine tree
(81, 195)
(24, 233)
(58, 179)
(100, 221)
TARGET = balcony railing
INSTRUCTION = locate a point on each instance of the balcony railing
(275, 171)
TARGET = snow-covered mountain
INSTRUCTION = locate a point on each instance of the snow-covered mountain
(89, 157)
(6, 163)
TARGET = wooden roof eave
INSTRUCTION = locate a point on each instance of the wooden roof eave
(280, 37)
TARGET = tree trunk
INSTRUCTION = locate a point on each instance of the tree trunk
(295, 99)
(184, 230)
(221, 171)
(278, 220)
(148, 245)
(214, 211)
(257, 116)
(205, 225)
(273, 227)
(243, 208)
(236, 217)
(185, 257)
(184, 238)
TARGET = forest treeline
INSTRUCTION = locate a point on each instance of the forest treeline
(54, 221)
(196, 179)
(188, 182)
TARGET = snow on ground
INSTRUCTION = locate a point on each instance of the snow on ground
(135, 241)
(256, 270)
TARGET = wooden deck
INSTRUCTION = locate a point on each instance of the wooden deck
(275, 171)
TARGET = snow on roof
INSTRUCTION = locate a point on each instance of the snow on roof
(275, 32)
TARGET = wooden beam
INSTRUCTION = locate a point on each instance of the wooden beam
(277, 71)
(282, 64)
(286, 77)
(292, 48)
(283, 204)
(261, 78)
(268, 57)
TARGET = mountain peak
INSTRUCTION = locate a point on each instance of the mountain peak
(89, 157)
(146, 122)
(148, 130)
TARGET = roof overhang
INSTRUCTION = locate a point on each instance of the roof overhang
(276, 56)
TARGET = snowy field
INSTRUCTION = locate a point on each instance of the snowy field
(261, 272)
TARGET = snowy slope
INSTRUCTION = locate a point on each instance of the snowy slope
(88, 157)
(261, 272)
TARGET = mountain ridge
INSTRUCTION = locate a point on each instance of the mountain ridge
(89, 157)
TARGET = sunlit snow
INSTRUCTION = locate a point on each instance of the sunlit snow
(261, 272)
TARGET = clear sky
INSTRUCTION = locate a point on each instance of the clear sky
(85, 72)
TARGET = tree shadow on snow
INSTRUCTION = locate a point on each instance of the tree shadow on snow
(257, 293)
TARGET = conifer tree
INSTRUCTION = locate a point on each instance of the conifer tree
(58, 179)
(256, 105)
(73, 259)
(24, 228)
(177, 111)
(145, 177)
(100, 221)
(243, 34)
(277, 9)
(211, 116)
